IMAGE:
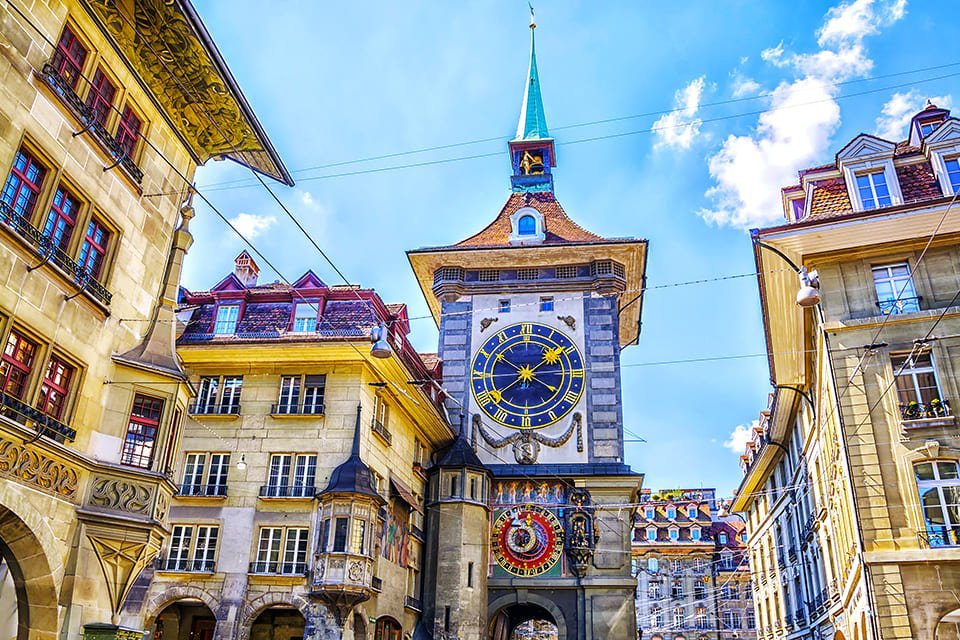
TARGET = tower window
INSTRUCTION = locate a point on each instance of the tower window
(469, 574)
(526, 226)
(504, 306)
(546, 303)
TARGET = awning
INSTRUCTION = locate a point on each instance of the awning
(400, 490)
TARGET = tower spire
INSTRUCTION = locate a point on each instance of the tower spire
(533, 121)
(532, 150)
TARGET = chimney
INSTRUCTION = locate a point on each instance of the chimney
(246, 269)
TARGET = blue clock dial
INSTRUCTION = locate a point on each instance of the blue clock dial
(527, 376)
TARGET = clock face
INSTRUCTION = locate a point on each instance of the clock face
(527, 376)
(527, 540)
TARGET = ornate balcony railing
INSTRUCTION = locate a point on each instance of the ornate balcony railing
(208, 409)
(20, 411)
(86, 116)
(902, 305)
(202, 490)
(48, 251)
(413, 603)
(344, 573)
(381, 430)
(296, 409)
(279, 568)
(925, 410)
(185, 566)
(287, 491)
(940, 536)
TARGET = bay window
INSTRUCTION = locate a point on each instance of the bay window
(917, 388)
(141, 438)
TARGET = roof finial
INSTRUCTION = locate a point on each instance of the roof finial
(533, 24)
(533, 123)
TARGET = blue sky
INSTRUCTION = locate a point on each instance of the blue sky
(337, 82)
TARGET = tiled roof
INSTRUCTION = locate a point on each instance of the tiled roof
(430, 360)
(558, 227)
(829, 199)
(918, 182)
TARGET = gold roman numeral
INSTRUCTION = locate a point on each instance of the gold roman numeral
(576, 373)
(525, 421)
(570, 397)
(500, 415)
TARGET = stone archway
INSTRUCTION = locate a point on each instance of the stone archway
(33, 580)
(948, 627)
(535, 618)
(184, 619)
(312, 614)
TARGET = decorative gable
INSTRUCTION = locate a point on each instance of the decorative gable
(868, 154)
(309, 280)
(865, 146)
(947, 133)
(230, 283)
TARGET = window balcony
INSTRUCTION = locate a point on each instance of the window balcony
(897, 307)
(90, 123)
(940, 536)
(413, 603)
(26, 415)
(209, 409)
(296, 409)
(381, 430)
(48, 252)
(202, 491)
(345, 574)
(288, 491)
(279, 568)
(183, 565)
(933, 410)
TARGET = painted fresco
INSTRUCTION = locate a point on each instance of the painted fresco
(394, 545)
(527, 491)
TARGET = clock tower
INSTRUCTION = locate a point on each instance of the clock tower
(533, 312)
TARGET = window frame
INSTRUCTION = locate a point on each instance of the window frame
(126, 138)
(62, 57)
(313, 307)
(216, 322)
(946, 533)
(952, 177)
(546, 304)
(101, 247)
(65, 389)
(129, 444)
(912, 372)
(875, 197)
(33, 186)
(100, 107)
(213, 476)
(900, 302)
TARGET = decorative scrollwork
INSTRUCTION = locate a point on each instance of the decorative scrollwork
(121, 495)
(33, 468)
(526, 443)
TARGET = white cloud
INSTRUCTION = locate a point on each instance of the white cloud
(899, 109)
(680, 127)
(737, 442)
(749, 170)
(743, 86)
(252, 225)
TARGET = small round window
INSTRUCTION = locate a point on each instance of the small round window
(526, 226)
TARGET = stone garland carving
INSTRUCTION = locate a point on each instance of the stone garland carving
(526, 442)
(37, 470)
(121, 495)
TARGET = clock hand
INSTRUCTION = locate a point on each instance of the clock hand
(499, 358)
(550, 356)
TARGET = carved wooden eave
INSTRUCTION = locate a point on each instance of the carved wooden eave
(203, 103)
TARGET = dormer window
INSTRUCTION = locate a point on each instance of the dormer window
(648, 513)
(672, 513)
(226, 319)
(527, 226)
(674, 534)
(692, 512)
(953, 173)
(926, 128)
(695, 533)
(305, 317)
(873, 190)
(651, 534)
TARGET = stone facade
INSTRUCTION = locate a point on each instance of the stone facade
(848, 477)
(91, 391)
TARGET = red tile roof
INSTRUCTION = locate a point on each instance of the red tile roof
(918, 182)
(558, 227)
(829, 199)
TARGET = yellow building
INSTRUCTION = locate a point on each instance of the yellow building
(98, 144)
(851, 480)
(301, 478)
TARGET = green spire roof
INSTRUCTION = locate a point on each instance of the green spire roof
(533, 121)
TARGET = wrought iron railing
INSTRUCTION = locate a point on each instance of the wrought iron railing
(279, 568)
(86, 116)
(925, 410)
(296, 409)
(208, 490)
(221, 409)
(381, 430)
(18, 410)
(185, 565)
(287, 491)
(48, 251)
(902, 305)
(376, 583)
(413, 603)
(940, 536)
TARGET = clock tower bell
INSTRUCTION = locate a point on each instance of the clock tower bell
(533, 312)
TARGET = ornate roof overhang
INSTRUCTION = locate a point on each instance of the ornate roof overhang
(631, 253)
(203, 103)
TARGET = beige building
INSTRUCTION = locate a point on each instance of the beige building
(851, 480)
(693, 577)
(98, 144)
(301, 478)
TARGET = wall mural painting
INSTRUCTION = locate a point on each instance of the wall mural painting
(527, 491)
(394, 545)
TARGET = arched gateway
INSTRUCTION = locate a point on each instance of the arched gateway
(29, 573)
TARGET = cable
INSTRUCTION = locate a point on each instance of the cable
(500, 138)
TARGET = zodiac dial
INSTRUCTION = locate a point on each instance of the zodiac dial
(527, 376)
(527, 540)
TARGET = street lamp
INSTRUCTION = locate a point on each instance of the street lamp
(378, 336)
(809, 293)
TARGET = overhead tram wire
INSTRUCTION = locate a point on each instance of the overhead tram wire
(500, 138)
(211, 188)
